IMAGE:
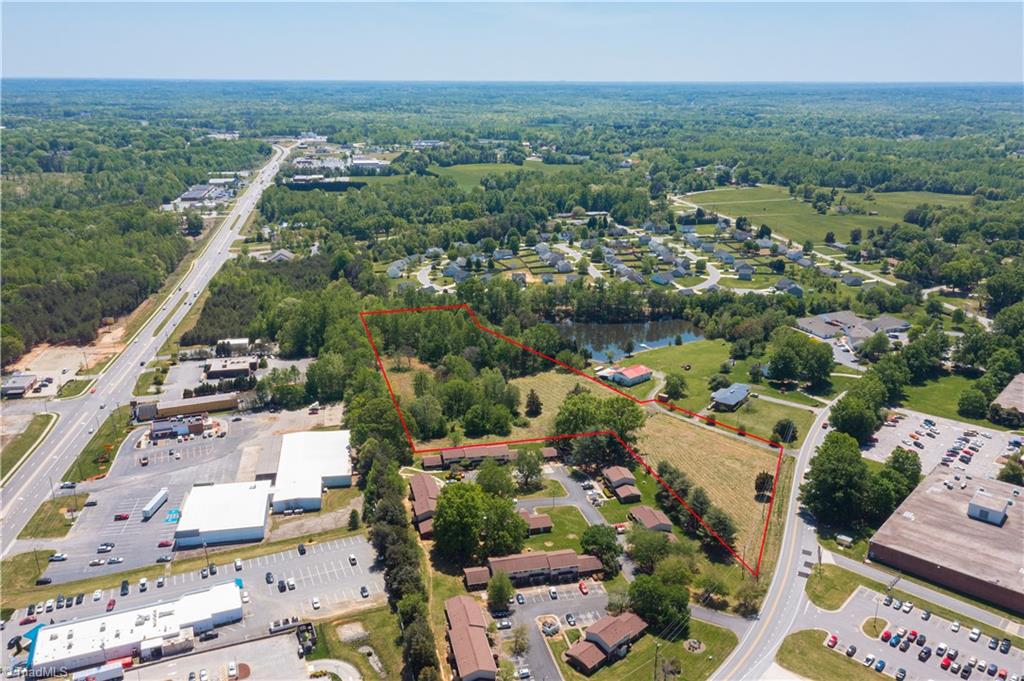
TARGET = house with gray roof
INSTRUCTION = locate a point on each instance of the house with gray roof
(661, 278)
(744, 271)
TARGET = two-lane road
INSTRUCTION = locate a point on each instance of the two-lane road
(31, 484)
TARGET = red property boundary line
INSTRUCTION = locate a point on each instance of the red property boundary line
(755, 570)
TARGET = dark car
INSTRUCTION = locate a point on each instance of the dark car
(13, 641)
(302, 549)
(925, 653)
(213, 568)
(926, 615)
(965, 673)
(991, 671)
(208, 635)
(570, 619)
(124, 587)
(43, 581)
(269, 577)
(905, 645)
(79, 598)
(1004, 646)
(993, 643)
(364, 592)
(921, 639)
(952, 653)
(520, 599)
(901, 674)
(281, 586)
(204, 573)
(31, 609)
(60, 601)
(851, 651)
(90, 503)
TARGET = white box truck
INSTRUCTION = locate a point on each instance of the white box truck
(154, 504)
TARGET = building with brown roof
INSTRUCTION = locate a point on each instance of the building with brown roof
(651, 518)
(549, 453)
(470, 653)
(980, 524)
(607, 640)
(534, 567)
(536, 522)
(627, 494)
(472, 456)
(617, 476)
(424, 490)
(432, 461)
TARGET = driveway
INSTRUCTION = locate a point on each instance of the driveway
(575, 256)
(577, 496)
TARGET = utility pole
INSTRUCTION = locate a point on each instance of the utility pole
(657, 649)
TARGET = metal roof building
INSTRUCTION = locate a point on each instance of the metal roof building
(309, 462)
(223, 514)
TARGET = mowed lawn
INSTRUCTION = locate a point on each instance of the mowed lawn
(772, 205)
(569, 525)
(468, 175)
(760, 416)
(705, 357)
(940, 397)
(724, 466)
(804, 653)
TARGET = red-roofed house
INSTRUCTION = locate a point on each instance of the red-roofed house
(606, 640)
(628, 376)
(627, 494)
(618, 475)
(536, 522)
(471, 655)
(651, 518)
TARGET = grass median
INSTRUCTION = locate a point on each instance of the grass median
(804, 653)
(830, 586)
(380, 632)
(74, 387)
(25, 441)
(98, 455)
(51, 518)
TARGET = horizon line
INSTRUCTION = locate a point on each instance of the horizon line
(456, 81)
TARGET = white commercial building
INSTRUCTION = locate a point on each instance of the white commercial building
(161, 628)
(309, 462)
(222, 514)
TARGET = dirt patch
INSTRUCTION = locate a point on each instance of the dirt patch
(13, 425)
(75, 358)
(351, 631)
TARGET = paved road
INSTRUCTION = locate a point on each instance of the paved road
(575, 256)
(577, 496)
(752, 658)
(981, 319)
(32, 482)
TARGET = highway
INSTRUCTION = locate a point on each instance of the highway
(32, 482)
(785, 600)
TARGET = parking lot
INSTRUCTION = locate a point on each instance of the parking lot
(985, 463)
(325, 572)
(269, 659)
(846, 624)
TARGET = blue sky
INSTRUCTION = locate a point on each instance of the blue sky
(538, 42)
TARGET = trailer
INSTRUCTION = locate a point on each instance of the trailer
(154, 504)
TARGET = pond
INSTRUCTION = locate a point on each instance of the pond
(606, 341)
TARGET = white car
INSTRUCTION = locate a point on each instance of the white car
(315, 603)
(232, 670)
(954, 627)
(908, 606)
(58, 557)
(245, 596)
(975, 634)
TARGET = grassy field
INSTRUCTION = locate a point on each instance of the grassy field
(468, 175)
(552, 489)
(74, 387)
(704, 357)
(760, 416)
(551, 387)
(17, 448)
(171, 345)
(830, 586)
(638, 663)
(614, 511)
(100, 451)
(20, 575)
(772, 205)
(804, 653)
(724, 466)
(382, 634)
(144, 382)
(569, 525)
(939, 397)
(50, 520)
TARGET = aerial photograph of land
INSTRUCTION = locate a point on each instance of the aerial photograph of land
(482, 341)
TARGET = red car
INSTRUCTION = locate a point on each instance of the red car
(110, 604)
(1002, 674)
(583, 588)
(165, 542)
(912, 636)
(121, 516)
(886, 635)
(26, 620)
(945, 663)
(832, 641)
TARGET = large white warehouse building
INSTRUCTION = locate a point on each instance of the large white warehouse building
(161, 628)
(223, 514)
(309, 462)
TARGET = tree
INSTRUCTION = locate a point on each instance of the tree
(520, 640)
(748, 596)
(503, 530)
(533, 404)
(722, 525)
(495, 478)
(663, 607)
(1012, 472)
(855, 418)
(763, 484)
(602, 541)
(528, 468)
(458, 521)
(835, 486)
(972, 403)
(646, 548)
(874, 346)
(675, 386)
(499, 591)
(785, 430)
(699, 503)
(353, 520)
(418, 649)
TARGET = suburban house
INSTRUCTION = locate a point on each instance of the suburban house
(606, 641)
(744, 271)
(536, 522)
(280, 255)
(470, 653)
(650, 518)
(622, 483)
(661, 278)
(851, 280)
(731, 398)
(627, 376)
(503, 254)
(563, 267)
